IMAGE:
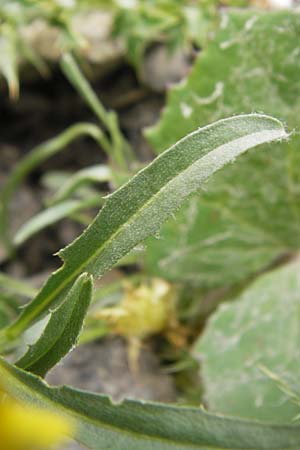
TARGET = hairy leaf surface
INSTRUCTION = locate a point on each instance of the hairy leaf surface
(62, 330)
(249, 214)
(134, 425)
(248, 340)
(138, 209)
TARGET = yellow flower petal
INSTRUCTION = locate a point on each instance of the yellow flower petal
(27, 428)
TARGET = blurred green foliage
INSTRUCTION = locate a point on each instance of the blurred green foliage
(139, 23)
(174, 22)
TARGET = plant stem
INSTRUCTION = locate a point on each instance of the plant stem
(118, 149)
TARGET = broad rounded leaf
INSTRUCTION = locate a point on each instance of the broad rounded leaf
(250, 338)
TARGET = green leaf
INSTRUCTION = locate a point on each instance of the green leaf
(16, 286)
(52, 215)
(249, 215)
(8, 309)
(12, 294)
(258, 333)
(62, 330)
(138, 209)
(8, 61)
(117, 148)
(93, 174)
(36, 157)
(133, 425)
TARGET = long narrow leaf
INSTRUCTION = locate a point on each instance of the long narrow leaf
(137, 210)
(138, 425)
(88, 175)
(16, 286)
(39, 154)
(52, 215)
(62, 330)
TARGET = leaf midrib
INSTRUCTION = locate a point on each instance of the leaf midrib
(118, 429)
(39, 308)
